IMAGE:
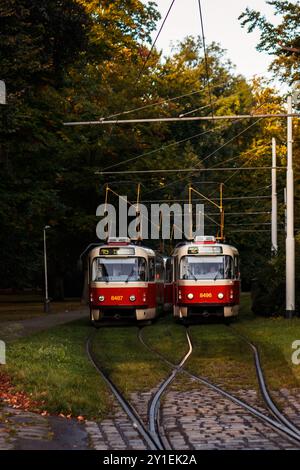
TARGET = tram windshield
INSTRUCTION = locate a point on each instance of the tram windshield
(206, 267)
(119, 269)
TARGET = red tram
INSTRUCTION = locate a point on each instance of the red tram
(206, 279)
(125, 281)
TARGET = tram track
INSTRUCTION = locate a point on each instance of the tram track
(287, 430)
(154, 405)
(153, 438)
(271, 406)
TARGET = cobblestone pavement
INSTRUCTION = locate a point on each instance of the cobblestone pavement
(289, 400)
(115, 434)
(202, 419)
(199, 419)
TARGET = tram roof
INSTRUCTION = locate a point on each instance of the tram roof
(210, 248)
(126, 249)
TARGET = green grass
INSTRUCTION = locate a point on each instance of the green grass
(127, 362)
(217, 354)
(224, 358)
(274, 337)
(52, 366)
(168, 338)
(221, 357)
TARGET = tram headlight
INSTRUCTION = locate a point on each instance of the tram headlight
(101, 298)
(220, 295)
(190, 296)
(132, 298)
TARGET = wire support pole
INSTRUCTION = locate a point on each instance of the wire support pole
(274, 245)
(222, 212)
(290, 239)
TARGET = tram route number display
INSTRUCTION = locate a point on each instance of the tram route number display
(112, 251)
(207, 250)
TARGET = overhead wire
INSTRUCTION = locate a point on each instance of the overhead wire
(172, 144)
(210, 154)
(187, 170)
(135, 205)
(207, 77)
(155, 40)
(214, 199)
(205, 56)
(145, 61)
(160, 103)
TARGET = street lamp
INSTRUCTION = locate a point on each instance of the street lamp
(47, 300)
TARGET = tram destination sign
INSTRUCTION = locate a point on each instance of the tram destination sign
(208, 250)
(114, 251)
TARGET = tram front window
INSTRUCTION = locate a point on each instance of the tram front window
(205, 267)
(119, 269)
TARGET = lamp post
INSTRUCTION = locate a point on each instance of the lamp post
(47, 300)
(2, 92)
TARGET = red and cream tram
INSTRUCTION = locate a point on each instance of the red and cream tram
(125, 281)
(206, 279)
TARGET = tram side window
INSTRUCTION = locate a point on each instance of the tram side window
(98, 271)
(236, 267)
(151, 269)
(228, 267)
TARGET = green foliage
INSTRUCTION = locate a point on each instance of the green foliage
(82, 60)
(268, 290)
(38, 40)
(282, 40)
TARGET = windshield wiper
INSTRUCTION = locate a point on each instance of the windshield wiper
(217, 276)
(192, 274)
(129, 275)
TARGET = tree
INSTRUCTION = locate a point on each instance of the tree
(51, 54)
(283, 40)
(49, 171)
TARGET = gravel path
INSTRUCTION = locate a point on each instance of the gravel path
(12, 330)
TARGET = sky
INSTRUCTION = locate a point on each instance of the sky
(221, 25)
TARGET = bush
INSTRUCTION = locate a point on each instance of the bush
(268, 288)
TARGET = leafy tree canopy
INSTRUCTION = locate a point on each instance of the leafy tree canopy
(282, 40)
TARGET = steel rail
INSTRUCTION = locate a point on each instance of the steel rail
(278, 426)
(127, 407)
(263, 386)
(154, 407)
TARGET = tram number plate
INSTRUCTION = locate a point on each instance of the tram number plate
(116, 297)
(205, 295)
